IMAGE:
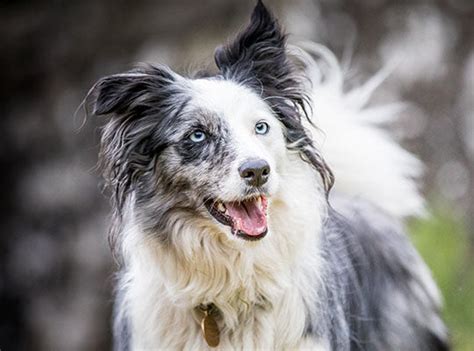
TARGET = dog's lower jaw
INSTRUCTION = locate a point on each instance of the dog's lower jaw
(257, 291)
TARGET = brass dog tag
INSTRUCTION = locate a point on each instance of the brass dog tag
(210, 330)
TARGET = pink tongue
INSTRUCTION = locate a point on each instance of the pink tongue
(248, 217)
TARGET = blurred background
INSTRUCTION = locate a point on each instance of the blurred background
(56, 271)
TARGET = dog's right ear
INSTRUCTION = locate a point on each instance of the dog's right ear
(132, 91)
(138, 101)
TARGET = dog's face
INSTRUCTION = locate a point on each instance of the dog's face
(210, 148)
(226, 146)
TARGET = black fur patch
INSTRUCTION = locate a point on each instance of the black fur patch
(214, 150)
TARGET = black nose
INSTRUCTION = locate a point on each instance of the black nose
(255, 172)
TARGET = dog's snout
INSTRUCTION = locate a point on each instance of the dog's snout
(255, 172)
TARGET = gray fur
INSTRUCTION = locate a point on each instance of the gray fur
(147, 143)
(375, 294)
(371, 268)
(121, 324)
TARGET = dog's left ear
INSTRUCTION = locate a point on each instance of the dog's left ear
(257, 57)
(258, 52)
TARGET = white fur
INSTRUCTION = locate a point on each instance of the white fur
(241, 108)
(366, 160)
(260, 288)
(256, 288)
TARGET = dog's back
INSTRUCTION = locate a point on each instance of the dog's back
(390, 301)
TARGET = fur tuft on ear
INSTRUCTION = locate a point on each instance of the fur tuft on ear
(257, 53)
(121, 92)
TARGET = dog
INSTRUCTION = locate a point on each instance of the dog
(261, 207)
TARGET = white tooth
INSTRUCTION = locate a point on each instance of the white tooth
(220, 207)
(259, 201)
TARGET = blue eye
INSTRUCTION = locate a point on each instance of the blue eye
(262, 128)
(197, 136)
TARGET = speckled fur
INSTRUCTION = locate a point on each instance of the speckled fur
(337, 275)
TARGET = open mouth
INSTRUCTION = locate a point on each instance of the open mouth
(247, 218)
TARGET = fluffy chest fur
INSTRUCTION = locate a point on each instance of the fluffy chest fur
(261, 292)
(261, 310)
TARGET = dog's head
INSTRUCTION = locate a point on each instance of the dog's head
(210, 148)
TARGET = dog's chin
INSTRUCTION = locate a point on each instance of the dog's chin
(245, 217)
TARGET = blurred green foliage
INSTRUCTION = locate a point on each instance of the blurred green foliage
(444, 244)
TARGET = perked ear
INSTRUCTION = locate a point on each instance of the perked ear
(258, 51)
(122, 93)
(257, 58)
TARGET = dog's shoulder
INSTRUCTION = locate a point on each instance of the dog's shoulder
(391, 299)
